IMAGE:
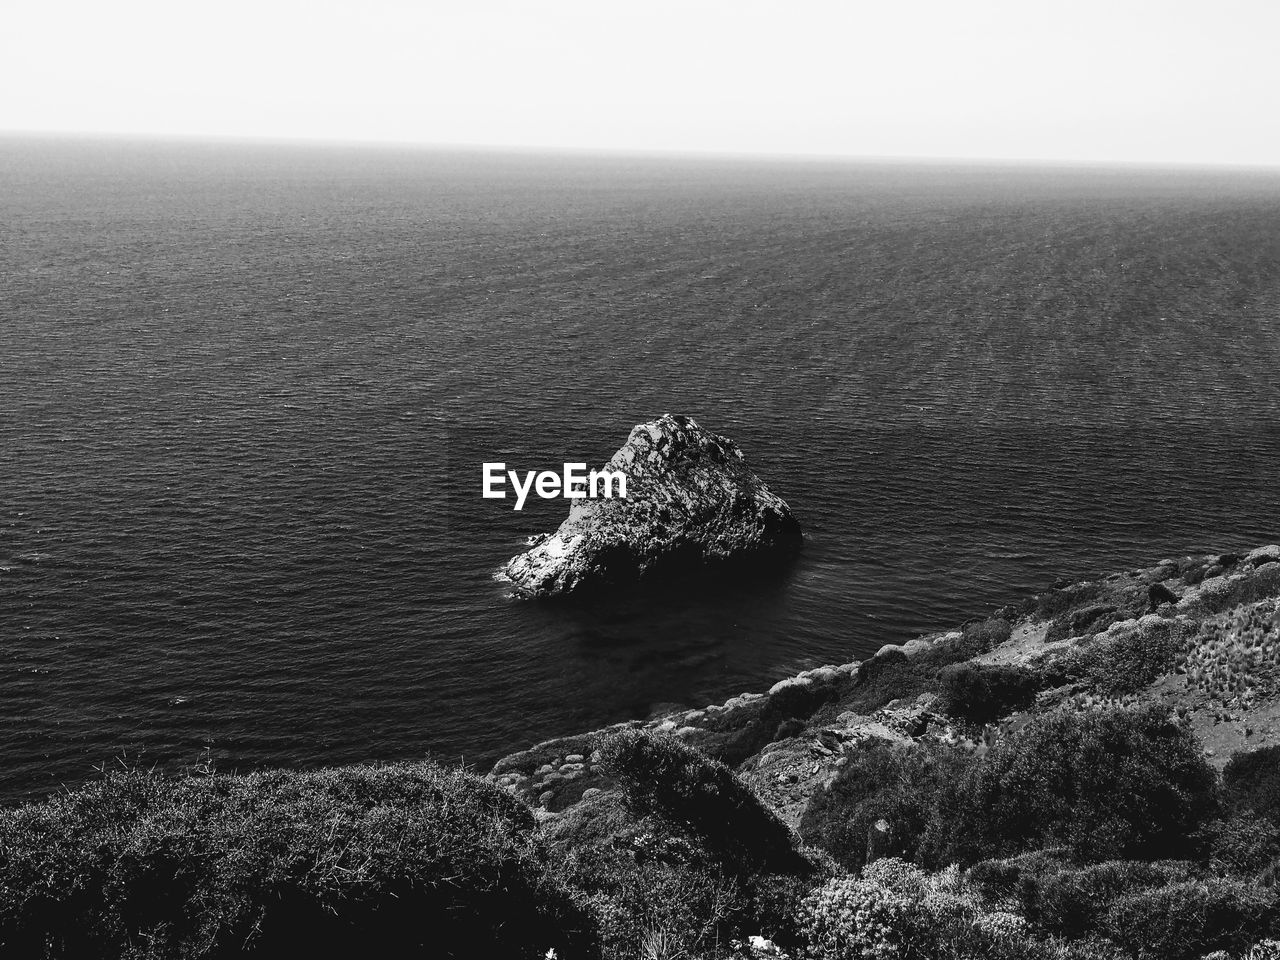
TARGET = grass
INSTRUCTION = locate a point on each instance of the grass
(349, 859)
(1236, 659)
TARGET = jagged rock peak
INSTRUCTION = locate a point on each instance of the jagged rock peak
(692, 502)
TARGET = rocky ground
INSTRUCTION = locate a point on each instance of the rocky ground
(1205, 629)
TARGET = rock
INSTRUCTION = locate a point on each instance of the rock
(801, 696)
(918, 645)
(574, 758)
(827, 674)
(692, 503)
(800, 682)
(760, 947)
(1267, 554)
(1158, 594)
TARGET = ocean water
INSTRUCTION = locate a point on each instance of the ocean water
(245, 392)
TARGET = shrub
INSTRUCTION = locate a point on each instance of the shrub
(1073, 901)
(984, 693)
(772, 902)
(897, 912)
(886, 677)
(1133, 657)
(1222, 593)
(348, 860)
(1092, 619)
(1186, 920)
(668, 779)
(798, 697)
(893, 675)
(1053, 603)
(1003, 883)
(680, 898)
(1108, 784)
(896, 874)
(593, 821)
(1251, 781)
(880, 782)
(981, 635)
(1193, 569)
(1084, 609)
(1244, 843)
(849, 918)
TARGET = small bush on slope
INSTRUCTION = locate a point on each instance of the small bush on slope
(634, 888)
(1108, 784)
(699, 861)
(1055, 602)
(1244, 843)
(347, 860)
(893, 675)
(1133, 658)
(985, 693)
(979, 636)
(899, 785)
(897, 912)
(1186, 920)
(1251, 781)
(667, 779)
(1072, 901)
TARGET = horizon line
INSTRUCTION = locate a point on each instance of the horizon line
(686, 153)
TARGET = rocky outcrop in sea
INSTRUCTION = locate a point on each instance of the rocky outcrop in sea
(692, 503)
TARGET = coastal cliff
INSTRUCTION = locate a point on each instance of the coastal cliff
(692, 503)
(1197, 635)
(1090, 774)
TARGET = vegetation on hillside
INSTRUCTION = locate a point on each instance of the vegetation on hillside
(1030, 786)
(356, 860)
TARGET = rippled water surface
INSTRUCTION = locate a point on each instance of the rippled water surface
(245, 392)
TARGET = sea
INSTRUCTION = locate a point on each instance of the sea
(246, 390)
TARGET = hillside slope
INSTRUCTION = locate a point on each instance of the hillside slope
(1199, 635)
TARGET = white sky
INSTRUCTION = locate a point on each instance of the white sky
(1130, 80)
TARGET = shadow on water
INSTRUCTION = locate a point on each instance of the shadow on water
(612, 616)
